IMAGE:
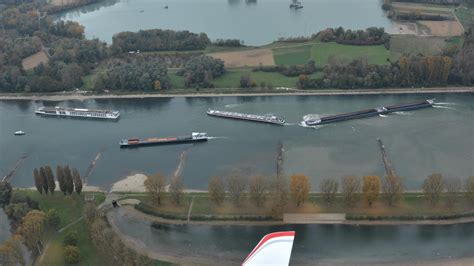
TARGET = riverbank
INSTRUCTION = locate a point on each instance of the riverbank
(234, 92)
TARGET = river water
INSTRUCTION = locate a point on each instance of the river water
(255, 22)
(418, 143)
(314, 244)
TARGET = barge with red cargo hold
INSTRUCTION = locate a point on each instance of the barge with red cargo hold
(195, 137)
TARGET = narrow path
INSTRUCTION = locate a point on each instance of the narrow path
(71, 224)
(190, 209)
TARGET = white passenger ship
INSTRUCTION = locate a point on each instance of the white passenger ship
(77, 112)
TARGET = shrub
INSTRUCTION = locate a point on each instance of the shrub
(71, 254)
(52, 218)
(70, 239)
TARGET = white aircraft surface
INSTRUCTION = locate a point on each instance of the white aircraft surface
(273, 249)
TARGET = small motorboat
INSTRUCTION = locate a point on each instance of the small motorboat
(19, 133)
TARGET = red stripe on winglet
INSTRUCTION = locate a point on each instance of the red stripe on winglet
(268, 237)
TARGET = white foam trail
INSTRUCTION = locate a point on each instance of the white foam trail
(381, 115)
(217, 137)
(289, 124)
(436, 103)
(444, 107)
(402, 113)
(233, 105)
(303, 124)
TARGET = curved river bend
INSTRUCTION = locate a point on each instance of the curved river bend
(314, 244)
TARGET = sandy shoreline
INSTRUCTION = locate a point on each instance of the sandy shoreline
(292, 92)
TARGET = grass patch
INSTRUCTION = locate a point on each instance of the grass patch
(406, 44)
(322, 52)
(465, 15)
(69, 207)
(298, 55)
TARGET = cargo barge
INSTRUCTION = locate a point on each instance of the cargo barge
(134, 142)
(77, 112)
(369, 113)
(270, 119)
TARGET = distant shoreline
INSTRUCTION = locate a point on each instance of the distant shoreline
(223, 93)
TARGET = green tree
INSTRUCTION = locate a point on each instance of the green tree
(299, 188)
(432, 188)
(71, 239)
(77, 180)
(329, 188)
(50, 179)
(5, 193)
(44, 180)
(350, 190)
(37, 178)
(257, 189)
(61, 179)
(371, 188)
(176, 190)
(216, 190)
(72, 254)
(155, 185)
(453, 187)
(68, 180)
(52, 218)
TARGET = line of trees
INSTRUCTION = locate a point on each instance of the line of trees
(68, 180)
(369, 36)
(156, 186)
(228, 43)
(290, 71)
(158, 40)
(201, 70)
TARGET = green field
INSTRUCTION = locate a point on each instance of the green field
(406, 44)
(321, 52)
(232, 79)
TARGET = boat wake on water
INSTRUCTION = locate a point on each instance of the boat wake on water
(303, 124)
(403, 113)
(437, 103)
(383, 115)
(444, 107)
(217, 137)
(233, 105)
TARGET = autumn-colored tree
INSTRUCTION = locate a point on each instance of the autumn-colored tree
(392, 188)
(257, 189)
(453, 187)
(469, 188)
(157, 85)
(299, 187)
(77, 180)
(68, 180)
(216, 190)
(350, 190)
(329, 188)
(236, 186)
(50, 179)
(371, 188)
(31, 229)
(38, 184)
(155, 185)
(11, 252)
(432, 188)
(61, 179)
(44, 179)
(176, 190)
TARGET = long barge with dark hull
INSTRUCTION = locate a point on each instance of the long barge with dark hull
(269, 119)
(77, 113)
(369, 113)
(135, 142)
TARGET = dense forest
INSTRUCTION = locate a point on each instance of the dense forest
(370, 36)
(200, 71)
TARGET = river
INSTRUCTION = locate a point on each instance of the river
(314, 244)
(418, 143)
(256, 22)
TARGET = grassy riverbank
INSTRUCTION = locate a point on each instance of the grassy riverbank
(411, 205)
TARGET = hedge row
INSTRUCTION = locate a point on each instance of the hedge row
(357, 217)
(149, 210)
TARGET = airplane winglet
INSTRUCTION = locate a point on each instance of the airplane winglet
(273, 249)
